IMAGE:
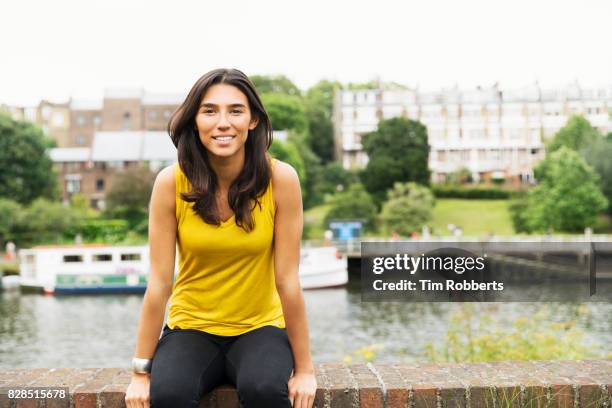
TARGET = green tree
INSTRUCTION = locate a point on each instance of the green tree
(27, 171)
(9, 213)
(319, 111)
(398, 151)
(408, 209)
(274, 84)
(129, 195)
(354, 203)
(288, 152)
(577, 134)
(44, 221)
(567, 197)
(599, 156)
(285, 111)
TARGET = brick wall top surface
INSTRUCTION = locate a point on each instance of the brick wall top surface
(500, 384)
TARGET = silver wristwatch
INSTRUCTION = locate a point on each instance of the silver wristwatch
(141, 365)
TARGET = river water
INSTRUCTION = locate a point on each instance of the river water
(99, 331)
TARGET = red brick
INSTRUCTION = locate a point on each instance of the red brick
(562, 396)
(534, 396)
(342, 386)
(85, 400)
(398, 394)
(452, 397)
(112, 396)
(227, 397)
(26, 403)
(425, 396)
(482, 396)
(591, 396)
(508, 396)
(370, 389)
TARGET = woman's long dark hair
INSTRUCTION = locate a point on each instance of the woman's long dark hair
(251, 183)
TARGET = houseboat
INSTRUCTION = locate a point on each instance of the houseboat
(97, 268)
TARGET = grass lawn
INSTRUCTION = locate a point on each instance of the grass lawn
(313, 221)
(475, 217)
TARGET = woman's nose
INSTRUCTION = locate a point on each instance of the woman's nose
(223, 121)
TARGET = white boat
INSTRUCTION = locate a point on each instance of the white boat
(322, 267)
(94, 268)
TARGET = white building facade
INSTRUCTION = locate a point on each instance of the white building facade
(492, 133)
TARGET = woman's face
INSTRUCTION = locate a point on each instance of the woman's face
(224, 120)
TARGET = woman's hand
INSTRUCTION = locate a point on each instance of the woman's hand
(302, 389)
(137, 393)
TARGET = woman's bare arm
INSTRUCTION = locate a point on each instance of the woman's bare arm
(287, 237)
(162, 245)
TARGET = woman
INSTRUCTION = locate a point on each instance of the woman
(237, 310)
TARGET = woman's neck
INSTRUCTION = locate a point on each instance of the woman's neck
(227, 169)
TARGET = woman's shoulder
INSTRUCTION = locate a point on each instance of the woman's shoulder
(283, 173)
(165, 181)
(285, 182)
(167, 176)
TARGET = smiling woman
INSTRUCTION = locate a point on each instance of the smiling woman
(236, 216)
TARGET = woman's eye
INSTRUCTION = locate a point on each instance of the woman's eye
(208, 111)
(236, 112)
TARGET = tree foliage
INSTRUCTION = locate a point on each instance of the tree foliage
(288, 152)
(599, 156)
(286, 111)
(319, 111)
(129, 195)
(567, 197)
(408, 209)
(27, 171)
(354, 203)
(9, 213)
(274, 84)
(398, 152)
(577, 134)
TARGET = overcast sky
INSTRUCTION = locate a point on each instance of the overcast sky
(61, 48)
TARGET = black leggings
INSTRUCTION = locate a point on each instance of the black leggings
(190, 363)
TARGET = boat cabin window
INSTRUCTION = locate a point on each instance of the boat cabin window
(73, 258)
(130, 257)
(102, 257)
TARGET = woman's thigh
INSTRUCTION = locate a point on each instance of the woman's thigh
(186, 365)
(260, 363)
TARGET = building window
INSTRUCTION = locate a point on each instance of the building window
(153, 115)
(96, 120)
(73, 186)
(102, 257)
(167, 114)
(80, 140)
(130, 257)
(80, 120)
(100, 185)
(58, 119)
(126, 121)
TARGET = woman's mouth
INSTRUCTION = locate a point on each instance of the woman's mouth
(223, 140)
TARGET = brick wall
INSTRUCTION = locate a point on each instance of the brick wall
(503, 384)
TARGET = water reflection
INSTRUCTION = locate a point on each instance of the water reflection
(99, 331)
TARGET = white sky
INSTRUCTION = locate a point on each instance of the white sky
(62, 48)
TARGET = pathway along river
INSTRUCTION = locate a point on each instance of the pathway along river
(99, 331)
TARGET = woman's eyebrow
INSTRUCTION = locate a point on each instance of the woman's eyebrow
(213, 105)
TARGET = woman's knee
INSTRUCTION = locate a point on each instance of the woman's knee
(263, 393)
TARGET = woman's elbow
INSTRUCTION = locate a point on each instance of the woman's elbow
(288, 284)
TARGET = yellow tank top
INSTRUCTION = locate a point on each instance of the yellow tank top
(225, 285)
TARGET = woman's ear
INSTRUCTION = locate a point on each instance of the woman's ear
(254, 123)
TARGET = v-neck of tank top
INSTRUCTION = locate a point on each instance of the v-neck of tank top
(230, 221)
